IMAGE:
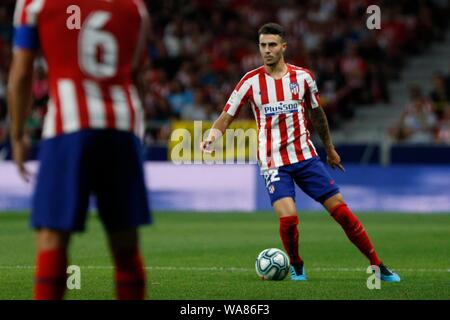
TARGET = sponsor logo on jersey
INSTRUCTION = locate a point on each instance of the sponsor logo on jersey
(281, 107)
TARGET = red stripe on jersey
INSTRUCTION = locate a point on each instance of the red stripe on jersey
(248, 94)
(311, 149)
(23, 14)
(247, 76)
(268, 131)
(263, 88)
(279, 89)
(297, 145)
(258, 121)
(258, 115)
(284, 137)
(82, 107)
(282, 123)
(109, 110)
(132, 108)
(306, 95)
(293, 79)
(227, 107)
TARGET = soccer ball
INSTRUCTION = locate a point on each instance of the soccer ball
(272, 264)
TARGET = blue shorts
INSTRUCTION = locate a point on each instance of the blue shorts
(310, 176)
(106, 163)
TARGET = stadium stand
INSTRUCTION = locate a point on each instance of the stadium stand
(200, 49)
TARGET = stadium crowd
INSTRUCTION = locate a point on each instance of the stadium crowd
(200, 49)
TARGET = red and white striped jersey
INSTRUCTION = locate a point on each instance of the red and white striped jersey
(91, 48)
(279, 107)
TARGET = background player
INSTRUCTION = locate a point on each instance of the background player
(91, 131)
(280, 94)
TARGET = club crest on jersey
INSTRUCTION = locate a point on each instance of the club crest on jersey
(295, 87)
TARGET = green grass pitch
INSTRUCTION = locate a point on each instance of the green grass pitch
(212, 256)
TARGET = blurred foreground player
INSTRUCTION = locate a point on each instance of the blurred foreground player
(279, 95)
(90, 132)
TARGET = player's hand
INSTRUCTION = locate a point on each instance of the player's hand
(19, 154)
(334, 160)
(206, 146)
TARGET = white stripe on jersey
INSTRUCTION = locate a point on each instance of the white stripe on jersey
(290, 147)
(18, 11)
(49, 128)
(95, 104)
(290, 133)
(120, 106)
(139, 127)
(69, 105)
(33, 10)
(303, 137)
(275, 132)
(276, 142)
(271, 89)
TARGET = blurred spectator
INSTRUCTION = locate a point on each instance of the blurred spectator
(439, 95)
(200, 49)
(418, 122)
(443, 128)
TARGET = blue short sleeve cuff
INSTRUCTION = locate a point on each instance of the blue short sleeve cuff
(26, 37)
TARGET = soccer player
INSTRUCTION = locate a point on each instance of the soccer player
(94, 49)
(280, 94)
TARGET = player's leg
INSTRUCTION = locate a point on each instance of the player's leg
(51, 264)
(128, 262)
(314, 179)
(356, 233)
(353, 228)
(280, 187)
(289, 233)
(60, 201)
(287, 214)
(122, 202)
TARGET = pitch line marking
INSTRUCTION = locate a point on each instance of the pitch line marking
(234, 269)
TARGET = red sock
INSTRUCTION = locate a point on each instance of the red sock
(289, 236)
(355, 232)
(50, 276)
(130, 275)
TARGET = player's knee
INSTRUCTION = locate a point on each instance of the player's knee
(48, 239)
(334, 202)
(285, 207)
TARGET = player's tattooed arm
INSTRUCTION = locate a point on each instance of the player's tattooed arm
(320, 123)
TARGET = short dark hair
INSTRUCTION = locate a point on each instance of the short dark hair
(272, 28)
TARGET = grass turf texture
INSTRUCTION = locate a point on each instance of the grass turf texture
(212, 256)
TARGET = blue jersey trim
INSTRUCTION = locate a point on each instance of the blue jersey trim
(26, 37)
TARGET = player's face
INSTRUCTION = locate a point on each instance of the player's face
(272, 48)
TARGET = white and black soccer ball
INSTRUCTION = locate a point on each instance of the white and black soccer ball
(272, 264)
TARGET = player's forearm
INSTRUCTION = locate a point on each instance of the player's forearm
(19, 100)
(223, 122)
(320, 123)
(19, 90)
